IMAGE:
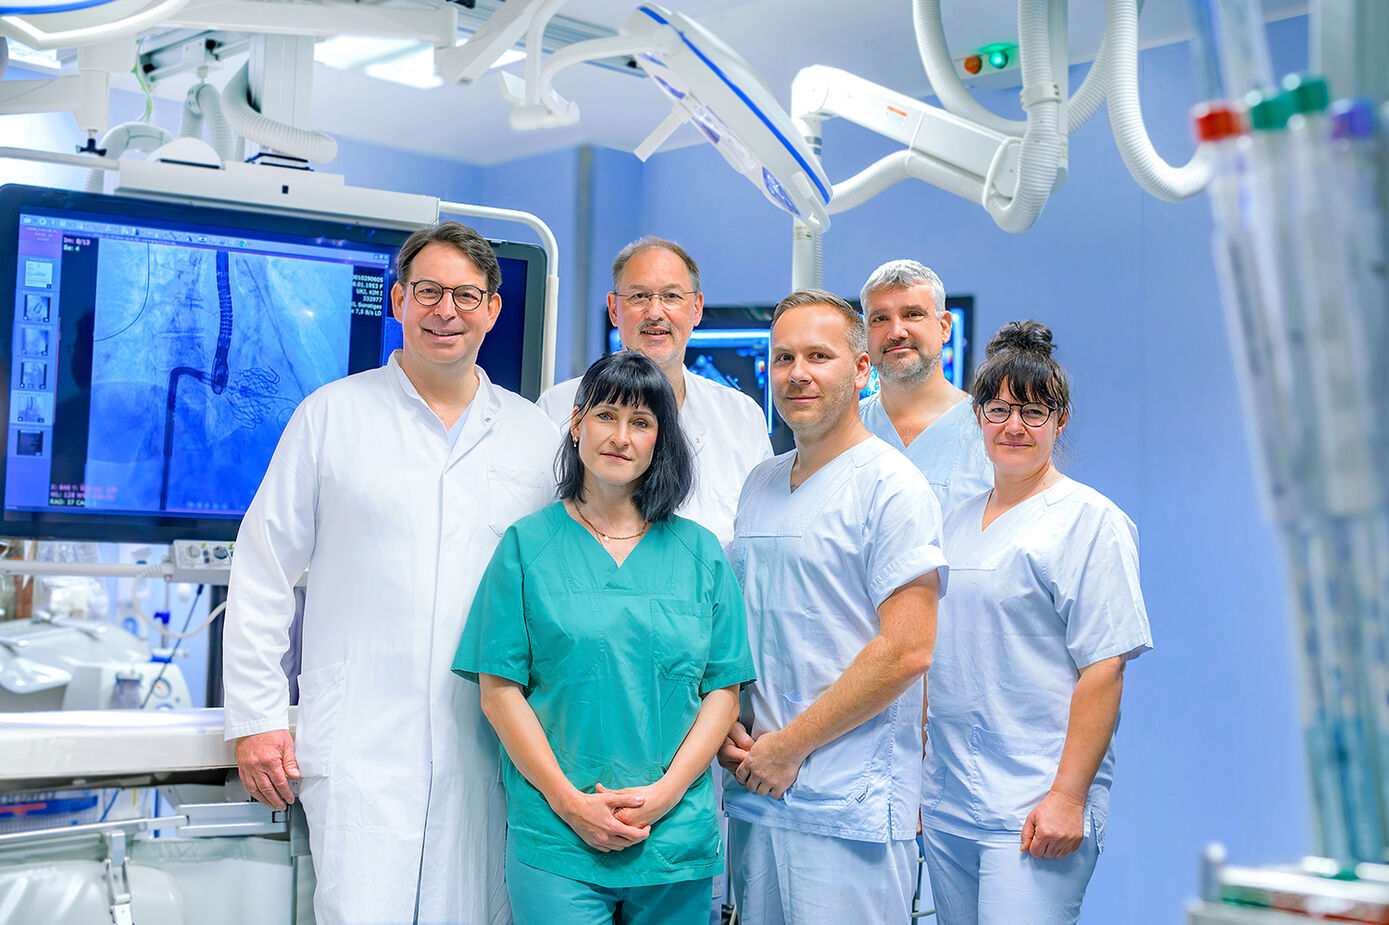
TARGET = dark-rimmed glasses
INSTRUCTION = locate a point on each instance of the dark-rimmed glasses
(466, 298)
(1032, 413)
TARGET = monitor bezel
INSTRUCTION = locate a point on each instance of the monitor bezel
(123, 527)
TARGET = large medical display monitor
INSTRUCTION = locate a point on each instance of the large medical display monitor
(156, 352)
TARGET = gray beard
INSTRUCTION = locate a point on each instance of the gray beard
(911, 376)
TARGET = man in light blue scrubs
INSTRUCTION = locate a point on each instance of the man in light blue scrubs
(919, 411)
(837, 548)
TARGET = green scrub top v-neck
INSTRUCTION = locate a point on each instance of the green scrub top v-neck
(614, 660)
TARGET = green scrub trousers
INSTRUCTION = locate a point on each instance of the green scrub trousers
(539, 897)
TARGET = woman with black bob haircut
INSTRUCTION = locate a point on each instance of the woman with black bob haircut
(630, 379)
(1043, 613)
(609, 638)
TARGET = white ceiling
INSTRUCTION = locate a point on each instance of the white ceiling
(872, 38)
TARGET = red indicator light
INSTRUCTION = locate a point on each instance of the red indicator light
(973, 64)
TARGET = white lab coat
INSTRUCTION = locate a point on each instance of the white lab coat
(815, 564)
(950, 453)
(727, 432)
(1050, 587)
(400, 770)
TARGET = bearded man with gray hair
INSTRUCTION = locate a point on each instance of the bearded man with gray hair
(918, 411)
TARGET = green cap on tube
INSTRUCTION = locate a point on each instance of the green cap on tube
(1307, 92)
(1269, 110)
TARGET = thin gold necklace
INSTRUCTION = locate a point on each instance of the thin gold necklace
(603, 536)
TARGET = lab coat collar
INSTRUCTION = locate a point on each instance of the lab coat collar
(483, 412)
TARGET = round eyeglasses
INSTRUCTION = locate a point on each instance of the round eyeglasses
(466, 298)
(1032, 413)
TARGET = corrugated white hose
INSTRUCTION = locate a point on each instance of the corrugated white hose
(956, 98)
(4, 55)
(869, 182)
(208, 104)
(1041, 148)
(190, 123)
(287, 139)
(1154, 174)
(128, 136)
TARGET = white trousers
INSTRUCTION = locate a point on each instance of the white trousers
(994, 883)
(784, 877)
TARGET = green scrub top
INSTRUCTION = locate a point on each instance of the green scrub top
(615, 662)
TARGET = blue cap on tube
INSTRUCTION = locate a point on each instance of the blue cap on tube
(1353, 118)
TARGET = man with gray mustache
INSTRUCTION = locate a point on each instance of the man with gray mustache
(655, 304)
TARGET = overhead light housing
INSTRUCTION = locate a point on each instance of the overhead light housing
(402, 61)
(26, 57)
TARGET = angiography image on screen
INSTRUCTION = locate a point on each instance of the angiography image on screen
(198, 358)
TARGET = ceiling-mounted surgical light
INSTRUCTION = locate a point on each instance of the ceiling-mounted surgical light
(402, 61)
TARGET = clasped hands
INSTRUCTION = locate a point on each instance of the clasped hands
(767, 765)
(610, 820)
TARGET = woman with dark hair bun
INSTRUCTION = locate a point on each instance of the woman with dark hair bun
(1044, 611)
(610, 641)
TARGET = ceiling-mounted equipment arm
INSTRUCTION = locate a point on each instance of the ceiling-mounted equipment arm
(942, 149)
(537, 103)
(1011, 178)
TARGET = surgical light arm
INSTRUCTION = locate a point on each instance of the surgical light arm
(955, 154)
(708, 84)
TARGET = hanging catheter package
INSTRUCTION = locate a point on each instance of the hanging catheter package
(1297, 201)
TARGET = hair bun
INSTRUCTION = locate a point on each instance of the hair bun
(1024, 336)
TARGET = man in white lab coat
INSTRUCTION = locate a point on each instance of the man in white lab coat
(655, 304)
(918, 411)
(392, 487)
(837, 548)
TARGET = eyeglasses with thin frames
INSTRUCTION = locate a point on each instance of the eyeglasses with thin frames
(466, 298)
(671, 298)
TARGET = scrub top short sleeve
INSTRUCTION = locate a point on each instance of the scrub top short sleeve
(1095, 586)
(496, 618)
(902, 535)
(730, 657)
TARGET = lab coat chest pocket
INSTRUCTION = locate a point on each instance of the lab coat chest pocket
(1010, 775)
(680, 638)
(320, 702)
(514, 493)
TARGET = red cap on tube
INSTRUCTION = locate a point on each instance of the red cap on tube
(1216, 121)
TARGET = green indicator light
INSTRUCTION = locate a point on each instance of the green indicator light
(998, 60)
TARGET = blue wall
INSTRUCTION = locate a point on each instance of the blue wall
(1209, 744)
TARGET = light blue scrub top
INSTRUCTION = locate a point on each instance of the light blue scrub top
(615, 661)
(950, 453)
(458, 425)
(815, 564)
(1049, 588)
